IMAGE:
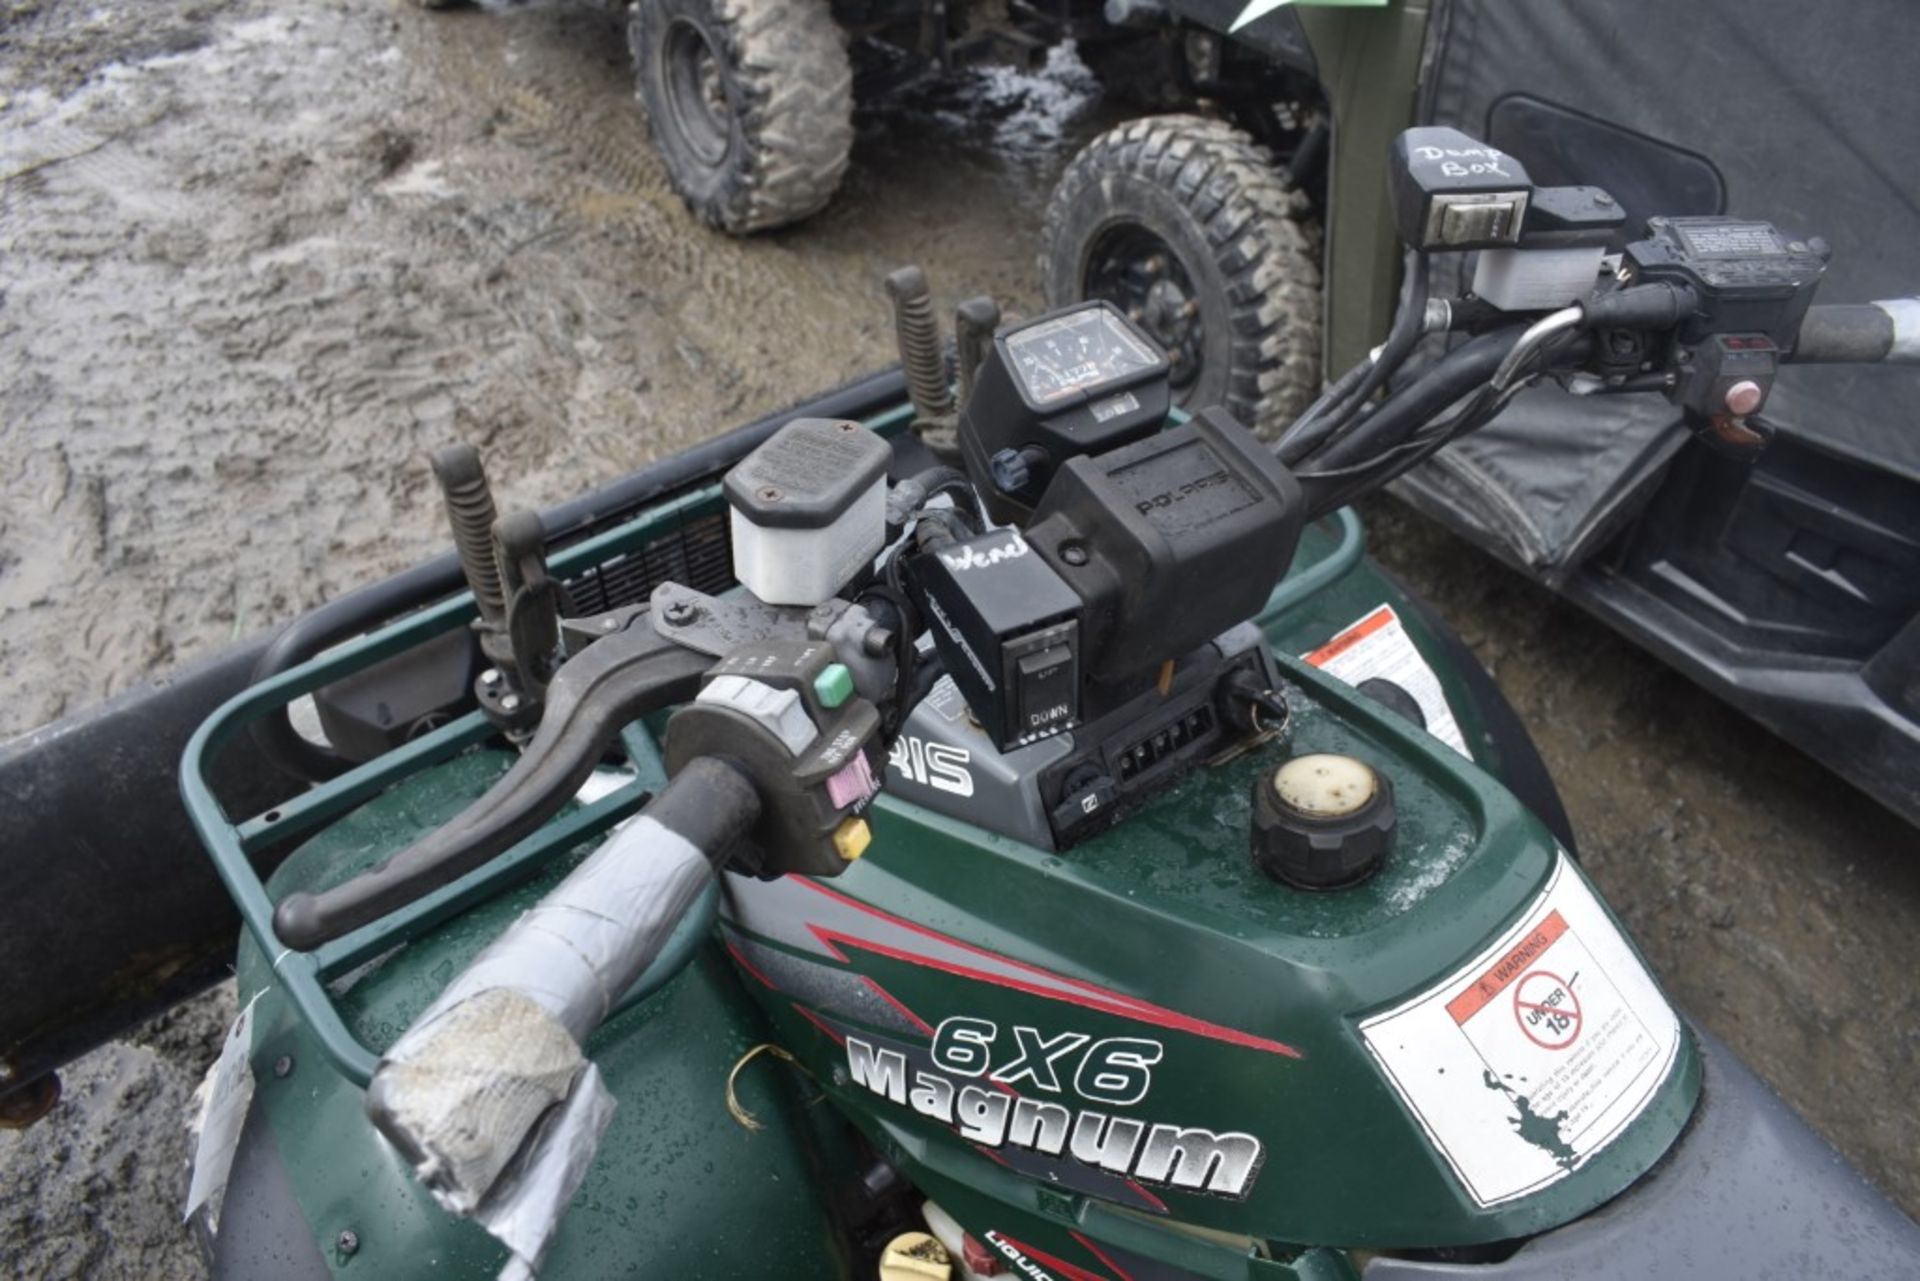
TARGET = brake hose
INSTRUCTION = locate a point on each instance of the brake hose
(1458, 373)
(1339, 403)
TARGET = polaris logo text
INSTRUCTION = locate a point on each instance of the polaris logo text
(1181, 493)
(941, 766)
(1008, 1108)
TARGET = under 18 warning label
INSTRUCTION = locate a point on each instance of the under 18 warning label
(1529, 1059)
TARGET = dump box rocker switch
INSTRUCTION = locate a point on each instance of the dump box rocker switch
(809, 510)
(783, 714)
(1007, 628)
(1451, 191)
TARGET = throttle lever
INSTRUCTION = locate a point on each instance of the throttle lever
(630, 671)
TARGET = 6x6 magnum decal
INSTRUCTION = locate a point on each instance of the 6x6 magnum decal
(982, 1089)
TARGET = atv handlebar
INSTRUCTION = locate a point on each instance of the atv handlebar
(1860, 333)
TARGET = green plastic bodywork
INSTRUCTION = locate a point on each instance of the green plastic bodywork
(1169, 908)
(1166, 908)
(680, 1190)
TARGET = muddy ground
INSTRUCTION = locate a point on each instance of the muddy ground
(258, 257)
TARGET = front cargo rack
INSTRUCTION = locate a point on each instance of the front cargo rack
(613, 567)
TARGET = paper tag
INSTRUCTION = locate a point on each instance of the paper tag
(1530, 1058)
(1378, 647)
(228, 1094)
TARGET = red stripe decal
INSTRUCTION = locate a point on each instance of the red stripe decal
(740, 958)
(807, 1014)
(1071, 1271)
(1147, 1196)
(1101, 1255)
(889, 998)
(1083, 994)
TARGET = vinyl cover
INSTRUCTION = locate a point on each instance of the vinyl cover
(1806, 115)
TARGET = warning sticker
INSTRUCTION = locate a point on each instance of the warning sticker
(1533, 1056)
(1378, 648)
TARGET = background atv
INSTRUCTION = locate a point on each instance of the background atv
(750, 102)
(1786, 580)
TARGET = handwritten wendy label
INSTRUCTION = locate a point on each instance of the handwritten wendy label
(1534, 1055)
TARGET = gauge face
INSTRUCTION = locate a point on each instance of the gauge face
(1076, 353)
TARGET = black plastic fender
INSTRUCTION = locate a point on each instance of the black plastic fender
(1749, 1192)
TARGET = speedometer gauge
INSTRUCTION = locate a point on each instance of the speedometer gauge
(1082, 380)
(1077, 352)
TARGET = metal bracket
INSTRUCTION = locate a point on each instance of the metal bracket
(709, 625)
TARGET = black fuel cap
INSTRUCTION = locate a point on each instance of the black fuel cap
(1322, 821)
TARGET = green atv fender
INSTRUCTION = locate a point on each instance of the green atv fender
(680, 1187)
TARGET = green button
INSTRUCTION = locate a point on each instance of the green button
(834, 685)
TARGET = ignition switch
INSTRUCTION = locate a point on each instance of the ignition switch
(1322, 821)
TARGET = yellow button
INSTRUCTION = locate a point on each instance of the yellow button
(852, 837)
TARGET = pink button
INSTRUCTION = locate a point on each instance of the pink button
(854, 783)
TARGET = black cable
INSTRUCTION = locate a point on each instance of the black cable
(1328, 489)
(952, 481)
(1458, 373)
(905, 659)
(1337, 407)
(1311, 428)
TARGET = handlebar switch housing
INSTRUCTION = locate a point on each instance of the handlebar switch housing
(785, 714)
(1748, 277)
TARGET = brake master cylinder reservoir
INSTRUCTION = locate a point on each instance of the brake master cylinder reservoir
(809, 510)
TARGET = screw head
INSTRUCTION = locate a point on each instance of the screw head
(283, 1066)
(681, 612)
(490, 677)
(511, 703)
(1073, 553)
(348, 1242)
(768, 494)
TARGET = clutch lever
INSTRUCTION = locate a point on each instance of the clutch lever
(630, 670)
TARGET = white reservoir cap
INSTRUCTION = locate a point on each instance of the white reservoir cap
(808, 510)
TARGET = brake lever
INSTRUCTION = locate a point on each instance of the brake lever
(630, 670)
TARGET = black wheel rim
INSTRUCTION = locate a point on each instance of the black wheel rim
(697, 93)
(1138, 272)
